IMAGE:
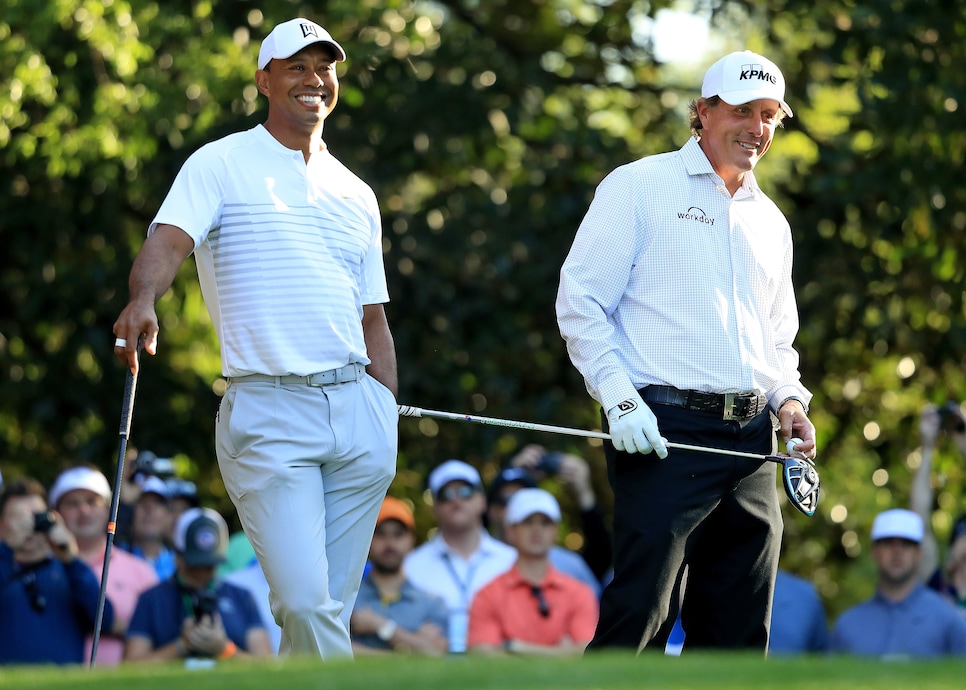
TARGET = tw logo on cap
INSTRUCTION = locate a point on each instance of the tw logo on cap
(756, 72)
(309, 30)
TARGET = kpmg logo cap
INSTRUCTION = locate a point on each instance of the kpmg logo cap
(744, 76)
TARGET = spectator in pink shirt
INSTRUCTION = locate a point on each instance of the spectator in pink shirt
(82, 496)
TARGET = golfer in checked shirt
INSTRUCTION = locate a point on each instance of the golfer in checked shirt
(288, 244)
(677, 306)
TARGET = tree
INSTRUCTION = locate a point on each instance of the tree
(484, 128)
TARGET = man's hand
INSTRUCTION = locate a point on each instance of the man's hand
(633, 428)
(62, 541)
(365, 621)
(206, 637)
(796, 424)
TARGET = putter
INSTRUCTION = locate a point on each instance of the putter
(127, 411)
(799, 476)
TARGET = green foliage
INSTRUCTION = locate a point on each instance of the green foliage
(484, 128)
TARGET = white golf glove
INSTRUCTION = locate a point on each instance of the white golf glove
(633, 428)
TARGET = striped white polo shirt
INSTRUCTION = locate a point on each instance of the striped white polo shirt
(287, 253)
(672, 281)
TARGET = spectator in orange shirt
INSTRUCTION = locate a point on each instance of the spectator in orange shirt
(533, 608)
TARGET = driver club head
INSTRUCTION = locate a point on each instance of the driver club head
(802, 484)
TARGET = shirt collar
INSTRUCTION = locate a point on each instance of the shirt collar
(488, 545)
(697, 163)
(552, 579)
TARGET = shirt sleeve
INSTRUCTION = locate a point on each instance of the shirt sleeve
(593, 280)
(785, 325)
(484, 624)
(195, 199)
(86, 592)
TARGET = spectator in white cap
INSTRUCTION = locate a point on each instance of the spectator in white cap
(82, 496)
(151, 527)
(289, 251)
(194, 615)
(677, 305)
(904, 618)
(461, 557)
(533, 608)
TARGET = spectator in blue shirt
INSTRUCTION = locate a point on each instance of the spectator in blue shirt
(904, 618)
(48, 596)
(191, 615)
(391, 613)
(151, 527)
(798, 623)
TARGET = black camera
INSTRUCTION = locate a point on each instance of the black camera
(206, 604)
(147, 463)
(43, 522)
(952, 418)
(549, 463)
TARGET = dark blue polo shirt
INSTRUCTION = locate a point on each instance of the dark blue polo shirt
(47, 610)
(161, 611)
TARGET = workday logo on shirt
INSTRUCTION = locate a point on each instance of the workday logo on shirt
(696, 215)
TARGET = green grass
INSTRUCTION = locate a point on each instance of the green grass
(604, 671)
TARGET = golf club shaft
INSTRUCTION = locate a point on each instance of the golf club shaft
(410, 411)
(127, 412)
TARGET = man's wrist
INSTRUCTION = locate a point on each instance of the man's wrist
(387, 630)
(229, 651)
(180, 648)
(796, 399)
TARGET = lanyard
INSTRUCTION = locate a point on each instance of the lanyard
(463, 585)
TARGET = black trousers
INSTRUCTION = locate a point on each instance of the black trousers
(716, 513)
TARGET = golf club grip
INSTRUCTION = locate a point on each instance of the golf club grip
(127, 402)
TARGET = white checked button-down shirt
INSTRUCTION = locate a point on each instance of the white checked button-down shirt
(672, 281)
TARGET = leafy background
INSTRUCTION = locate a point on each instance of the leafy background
(484, 127)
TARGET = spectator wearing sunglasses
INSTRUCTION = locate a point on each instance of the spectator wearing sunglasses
(533, 608)
(48, 595)
(461, 557)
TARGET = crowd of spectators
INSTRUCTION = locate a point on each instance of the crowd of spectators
(493, 578)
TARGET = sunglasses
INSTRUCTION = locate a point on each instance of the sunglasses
(542, 606)
(451, 493)
(37, 600)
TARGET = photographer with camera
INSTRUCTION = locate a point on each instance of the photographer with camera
(192, 615)
(48, 596)
(949, 580)
(532, 465)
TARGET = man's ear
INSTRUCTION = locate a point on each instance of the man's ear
(261, 81)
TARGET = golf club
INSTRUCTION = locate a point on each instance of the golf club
(127, 411)
(799, 476)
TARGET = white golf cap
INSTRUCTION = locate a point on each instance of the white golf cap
(155, 485)
(288, 38)
(453, 471)
(79, 478)
(898, 523)
(527, 502)
(744, 76)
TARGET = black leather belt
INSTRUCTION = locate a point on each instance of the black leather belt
(729, 406)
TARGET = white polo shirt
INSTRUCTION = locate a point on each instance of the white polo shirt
(672, 281)
(287, 253)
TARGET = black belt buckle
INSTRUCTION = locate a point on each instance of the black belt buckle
(738, 407)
